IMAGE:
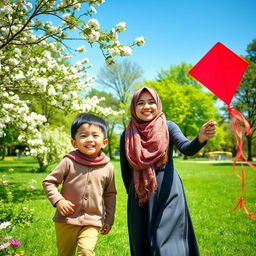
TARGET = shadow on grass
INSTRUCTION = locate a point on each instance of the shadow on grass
(222, 164)
(19, 169)
(230, 164)
(19, 161)
(20, 193)
(19, 165)
(27, 166)
(215, 163)
(20, 188)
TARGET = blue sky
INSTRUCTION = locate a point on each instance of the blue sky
(177, 30)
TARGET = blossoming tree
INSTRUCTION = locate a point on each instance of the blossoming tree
(34, 61)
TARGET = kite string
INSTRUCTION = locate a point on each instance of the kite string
(235, 117)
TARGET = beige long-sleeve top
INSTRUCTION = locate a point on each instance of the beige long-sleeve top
(91, 189)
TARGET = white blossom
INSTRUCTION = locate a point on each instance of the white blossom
(34, 67)
(66, 16)
(96, 2)
(13, 61)
(21, 138)
(93, 10)
(19, 76)
(35, 142)
(5, 224)
(17, 51)
(29, 5)
(125, 50)
(94, 24)
(85, 61)
(33, 152)
(81, 49)
(139, 41)
(109, 62)
(6, 10)
(121, 26)
(114, 51)
(51, 90)
(113, 35)
(93, 36)
(23, 126)
(77, 6)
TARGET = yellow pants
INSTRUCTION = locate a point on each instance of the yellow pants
(69, 237)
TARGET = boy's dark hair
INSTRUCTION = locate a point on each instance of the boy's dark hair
(86, 118)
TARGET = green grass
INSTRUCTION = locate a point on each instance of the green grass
(211, 190)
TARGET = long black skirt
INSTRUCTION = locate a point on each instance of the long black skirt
(162, 226)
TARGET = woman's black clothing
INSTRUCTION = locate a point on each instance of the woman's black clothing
(162, 226)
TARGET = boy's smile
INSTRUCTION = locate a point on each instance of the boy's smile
(89, 140)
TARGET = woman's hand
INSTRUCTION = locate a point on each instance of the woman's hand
(207, 131)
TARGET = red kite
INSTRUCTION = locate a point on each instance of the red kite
(221, 70)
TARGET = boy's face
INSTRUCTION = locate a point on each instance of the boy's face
(89, 140)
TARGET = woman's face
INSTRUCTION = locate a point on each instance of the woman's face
(146, 108)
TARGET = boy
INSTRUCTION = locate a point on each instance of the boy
(86, 203)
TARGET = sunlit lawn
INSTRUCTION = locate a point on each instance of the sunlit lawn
(211, 191)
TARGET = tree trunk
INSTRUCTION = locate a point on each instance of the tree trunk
(42, 167)
(185, 157)
(249, 147)
(2, 151)
(124, 124)
(110, 149)
(234, 151)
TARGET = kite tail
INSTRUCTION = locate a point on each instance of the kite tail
(235, 117)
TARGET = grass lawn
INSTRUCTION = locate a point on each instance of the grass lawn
(211, 190)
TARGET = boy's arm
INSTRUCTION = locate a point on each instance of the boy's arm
(51, 182)
(109, 197)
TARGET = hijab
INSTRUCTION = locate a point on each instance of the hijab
(146, 145)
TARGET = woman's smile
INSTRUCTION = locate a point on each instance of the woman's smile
(146, 108)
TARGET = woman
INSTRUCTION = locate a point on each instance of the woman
(159, 222)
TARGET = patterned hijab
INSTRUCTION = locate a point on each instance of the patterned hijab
(146, 145)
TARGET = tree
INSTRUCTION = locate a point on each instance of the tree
(251, 50)
(120, 78)
(245, 97)
(230, 140)
(57, 144)
(178, 74)
(9, 139)
(113, 121)
(34, 61)
(187, 105)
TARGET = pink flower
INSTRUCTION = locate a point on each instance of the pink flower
(4, 246)
(15, 243)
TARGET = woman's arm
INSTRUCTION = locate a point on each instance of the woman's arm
(185, 146)
(125, 167)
